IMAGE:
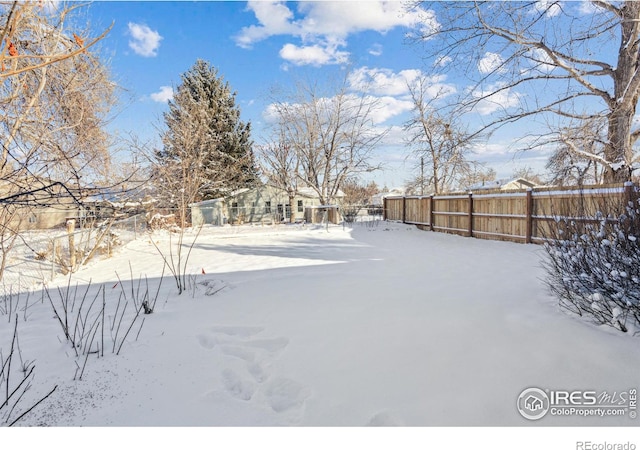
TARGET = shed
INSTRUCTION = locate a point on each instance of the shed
(322, 213)
(208, 212)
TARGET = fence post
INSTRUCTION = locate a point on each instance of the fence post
(384, 208)
(470, 214)
(628, 194)
(404, 209)
(53, 258)
(431, 214)
(71, 226)
(529, 218)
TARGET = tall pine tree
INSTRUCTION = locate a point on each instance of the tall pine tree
(207, 149)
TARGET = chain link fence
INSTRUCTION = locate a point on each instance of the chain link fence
(41, 256)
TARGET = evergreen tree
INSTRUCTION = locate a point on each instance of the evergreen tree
(206, 147)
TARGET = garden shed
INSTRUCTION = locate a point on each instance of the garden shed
(322, 214)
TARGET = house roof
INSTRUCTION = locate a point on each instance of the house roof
(500, 184)
(302, 192)
(210, 202)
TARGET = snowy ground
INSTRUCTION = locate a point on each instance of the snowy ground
(381, 324)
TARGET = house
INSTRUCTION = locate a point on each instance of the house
(378, 199)
(36, 204)
(105, 204)
(503, 185)
(265, 203)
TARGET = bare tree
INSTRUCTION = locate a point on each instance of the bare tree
(528, 174)
(54, 96)
(281, 166)
(577, 63)
(579, 155)
(438, 141)
(478, 175)
(356, 197)
(333, 135)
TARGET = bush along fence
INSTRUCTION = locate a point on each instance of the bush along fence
(526, 216)
(45, 257)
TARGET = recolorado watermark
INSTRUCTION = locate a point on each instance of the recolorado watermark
(588, 445)
(535, 403)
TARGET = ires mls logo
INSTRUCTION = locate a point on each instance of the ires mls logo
(534, 403)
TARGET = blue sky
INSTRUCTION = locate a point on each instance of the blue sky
(256, 45)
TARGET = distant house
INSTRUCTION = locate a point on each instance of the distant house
(107, 205)
(503, 185)
(43, 218)
(37, 203)
(378, 199)
(264, 203)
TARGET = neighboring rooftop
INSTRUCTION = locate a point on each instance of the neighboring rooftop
(503, 184)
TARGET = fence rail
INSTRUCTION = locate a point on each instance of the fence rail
(519, 216)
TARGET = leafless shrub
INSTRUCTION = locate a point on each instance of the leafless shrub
(593, 263)
(175, 259)
(84, 319)
(13, 403)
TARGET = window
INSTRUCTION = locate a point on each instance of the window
(300, 208)
(267, 207)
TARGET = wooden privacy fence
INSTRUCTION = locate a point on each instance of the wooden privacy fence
(520, 216)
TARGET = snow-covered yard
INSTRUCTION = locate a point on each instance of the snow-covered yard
(381, 324)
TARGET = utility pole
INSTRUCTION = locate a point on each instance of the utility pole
(422, 175)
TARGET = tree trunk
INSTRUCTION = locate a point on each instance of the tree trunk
(619, 148)
(291, 214)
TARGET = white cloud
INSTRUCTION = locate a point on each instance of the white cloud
(320, 24)
(388, 107)
(163, 95)
(442, 61)
(540, 61)
(315, 55)
(382, 81)
(385, 82)
(395, 136)
(145, 41)
(550, 8)
(490, 62)
(344, 18)
(375, 50)
(587, 7)
(275, 18)
(495, 98)
(491, 148)
(382, 108)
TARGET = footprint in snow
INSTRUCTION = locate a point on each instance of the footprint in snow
(255, 383)
(270, 345)
(238, 352)
(258, 371)
(284, 394)
(239, 331)
(236, 386)
(207, 341)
